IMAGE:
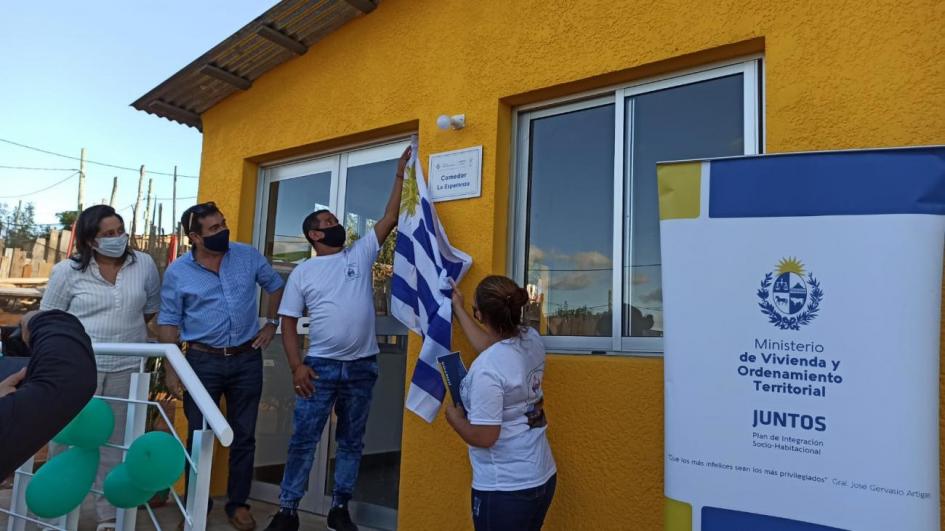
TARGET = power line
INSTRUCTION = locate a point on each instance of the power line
(32, 168)
(40, 190)
(107, 165)
(171, 198)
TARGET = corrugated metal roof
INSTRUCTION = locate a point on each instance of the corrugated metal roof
(287, 30)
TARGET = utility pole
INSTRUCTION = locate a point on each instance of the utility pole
(137, 212)
(82, 180)
(174, 203)
(111, 202)
(147, 210)
(160, 217)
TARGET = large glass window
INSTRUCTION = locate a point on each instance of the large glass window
(587, 238)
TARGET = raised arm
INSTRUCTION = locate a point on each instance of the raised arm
(386, 224)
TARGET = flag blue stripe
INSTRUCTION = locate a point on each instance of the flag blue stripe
(428, 378)
(441, 331)
(427, 216)
(422, 237)
(403, 292)
(426, 297)
(404, 247)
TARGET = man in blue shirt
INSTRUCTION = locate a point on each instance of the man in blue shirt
(208, 300)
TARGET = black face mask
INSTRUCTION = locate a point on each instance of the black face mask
(219, 242)
(334, 236)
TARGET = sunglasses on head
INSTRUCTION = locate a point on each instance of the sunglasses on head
(198, 211)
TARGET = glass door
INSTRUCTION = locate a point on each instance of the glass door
(355, 185)
(287, 194)
(366, 178)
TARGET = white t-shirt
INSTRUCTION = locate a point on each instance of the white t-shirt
(502, 384)
(338, 292)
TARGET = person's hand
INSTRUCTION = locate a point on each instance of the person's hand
(264, 337)
(172, 383)
(459, 301)
(25, 326)
(303, 378)
(402, 163)
(8, 385)
(534, 295)
(455, 414)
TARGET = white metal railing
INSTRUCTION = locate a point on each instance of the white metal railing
(200, 459)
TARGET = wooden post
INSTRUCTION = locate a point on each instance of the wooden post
(52, 250)
(39, 249)
(147, 210)
(82, 180)
(19, 260)
(137, 212)
(7, 262)
(174, 203)
(160, 219)
(111, 201)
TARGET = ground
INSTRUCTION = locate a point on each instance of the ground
(169, 517)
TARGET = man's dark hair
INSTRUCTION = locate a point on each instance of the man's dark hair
(311, 223)
(190, 219)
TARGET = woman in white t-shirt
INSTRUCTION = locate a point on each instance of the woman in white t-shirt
(514, 473)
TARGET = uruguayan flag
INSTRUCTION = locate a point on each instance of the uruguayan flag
(424, 264)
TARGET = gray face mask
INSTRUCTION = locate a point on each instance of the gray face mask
(113, 247)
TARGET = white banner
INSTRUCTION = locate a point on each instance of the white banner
(801, 309)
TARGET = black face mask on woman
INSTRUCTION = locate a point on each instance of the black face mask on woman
(334, 236)
(219, 242)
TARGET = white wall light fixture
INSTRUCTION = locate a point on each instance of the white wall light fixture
(457, 121)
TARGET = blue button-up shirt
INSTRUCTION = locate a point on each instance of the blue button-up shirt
(217, 309)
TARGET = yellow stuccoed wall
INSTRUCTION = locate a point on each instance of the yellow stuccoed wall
(838, 74)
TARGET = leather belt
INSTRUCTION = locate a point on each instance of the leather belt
(224, 351)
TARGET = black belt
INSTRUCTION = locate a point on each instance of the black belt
(224, 351)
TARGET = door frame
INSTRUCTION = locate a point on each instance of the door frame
(337, 163)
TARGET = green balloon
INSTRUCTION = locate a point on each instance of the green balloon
(91, 428)
(62, 483)
(155, 461)
(121, 492)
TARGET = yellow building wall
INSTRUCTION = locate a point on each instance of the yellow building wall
(838, 74)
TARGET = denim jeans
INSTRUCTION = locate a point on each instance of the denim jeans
(348, 386)
(239, 379)
(517, 510)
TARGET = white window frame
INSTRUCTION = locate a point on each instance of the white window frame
(751, 69)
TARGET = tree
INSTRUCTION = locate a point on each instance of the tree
(67, 218)
(20, 225)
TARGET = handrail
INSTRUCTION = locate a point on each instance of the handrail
(198, 393)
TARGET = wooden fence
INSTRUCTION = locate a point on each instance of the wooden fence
(25, 272)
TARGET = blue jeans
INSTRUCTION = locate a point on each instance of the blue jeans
(517, 510)
(348, 386)
(239, 379)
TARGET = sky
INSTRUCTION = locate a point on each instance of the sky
(70, 73)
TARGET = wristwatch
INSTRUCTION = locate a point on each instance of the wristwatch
(273, 322)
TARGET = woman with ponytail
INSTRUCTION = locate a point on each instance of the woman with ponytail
(503, 422)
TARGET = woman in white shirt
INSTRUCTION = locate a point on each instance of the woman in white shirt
(114, 291)
(514, 473)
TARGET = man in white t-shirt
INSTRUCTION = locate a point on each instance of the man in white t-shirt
(335, 288)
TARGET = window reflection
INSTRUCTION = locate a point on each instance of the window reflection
(699, 120)
(570, 259)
